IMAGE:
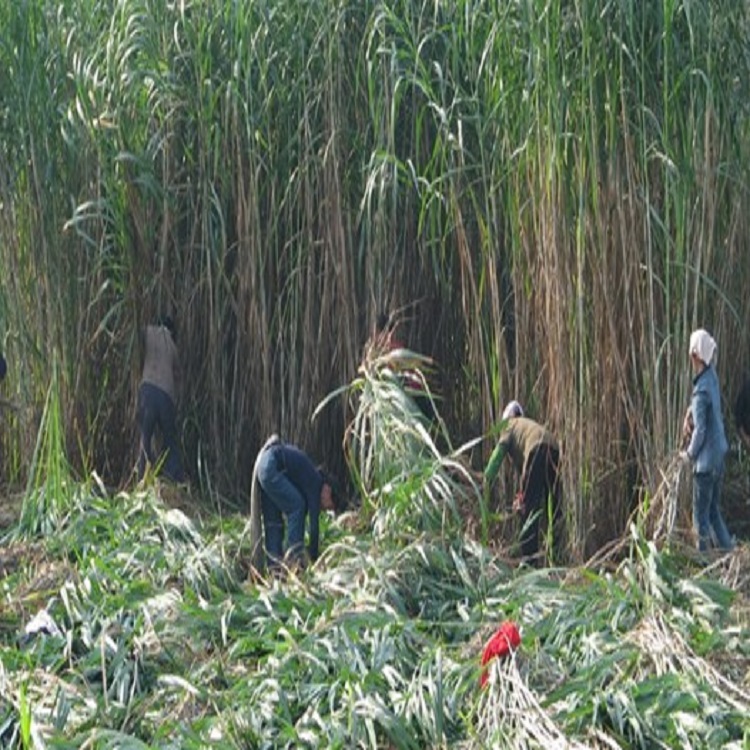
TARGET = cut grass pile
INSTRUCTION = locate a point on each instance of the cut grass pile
(158, 639)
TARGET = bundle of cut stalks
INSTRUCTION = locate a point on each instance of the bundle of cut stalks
(659, 517)
(513, 712)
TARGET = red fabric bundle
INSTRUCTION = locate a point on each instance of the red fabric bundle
(505, 638)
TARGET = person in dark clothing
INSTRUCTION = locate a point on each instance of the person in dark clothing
(536, 457)
(156, 401)
(742, 414)
(291, 489)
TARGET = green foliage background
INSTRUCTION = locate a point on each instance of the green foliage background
(555, 193)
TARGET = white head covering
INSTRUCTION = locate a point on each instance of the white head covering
(702, 344)
(513, 409)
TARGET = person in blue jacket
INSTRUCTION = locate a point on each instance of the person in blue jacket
(708, 445)
(292, 490)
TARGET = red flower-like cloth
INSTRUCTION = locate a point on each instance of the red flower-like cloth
(506, 637)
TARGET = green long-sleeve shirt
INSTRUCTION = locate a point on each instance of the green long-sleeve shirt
(519, 439)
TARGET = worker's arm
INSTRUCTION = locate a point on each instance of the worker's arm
(687, 427)
(699, 407)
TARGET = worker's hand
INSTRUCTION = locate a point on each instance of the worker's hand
(519, 503)
(684, 457)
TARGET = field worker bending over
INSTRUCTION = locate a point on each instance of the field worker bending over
(708, 444)
(536, 456)
(3, 366)
(287, 486)
(156, 401)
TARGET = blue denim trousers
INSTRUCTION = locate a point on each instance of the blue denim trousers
(280, 500)
(707, 518)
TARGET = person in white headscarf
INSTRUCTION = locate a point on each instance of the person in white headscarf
(535, 454)
(707, 445)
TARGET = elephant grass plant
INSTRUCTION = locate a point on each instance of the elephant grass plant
(555, 192)
(395, 451)
(47, 500)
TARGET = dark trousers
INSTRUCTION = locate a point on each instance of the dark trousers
(541, 498)
(156, 409)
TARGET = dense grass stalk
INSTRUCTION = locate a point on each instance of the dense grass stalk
(46, 500)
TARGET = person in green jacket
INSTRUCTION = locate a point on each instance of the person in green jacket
(535, 454)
